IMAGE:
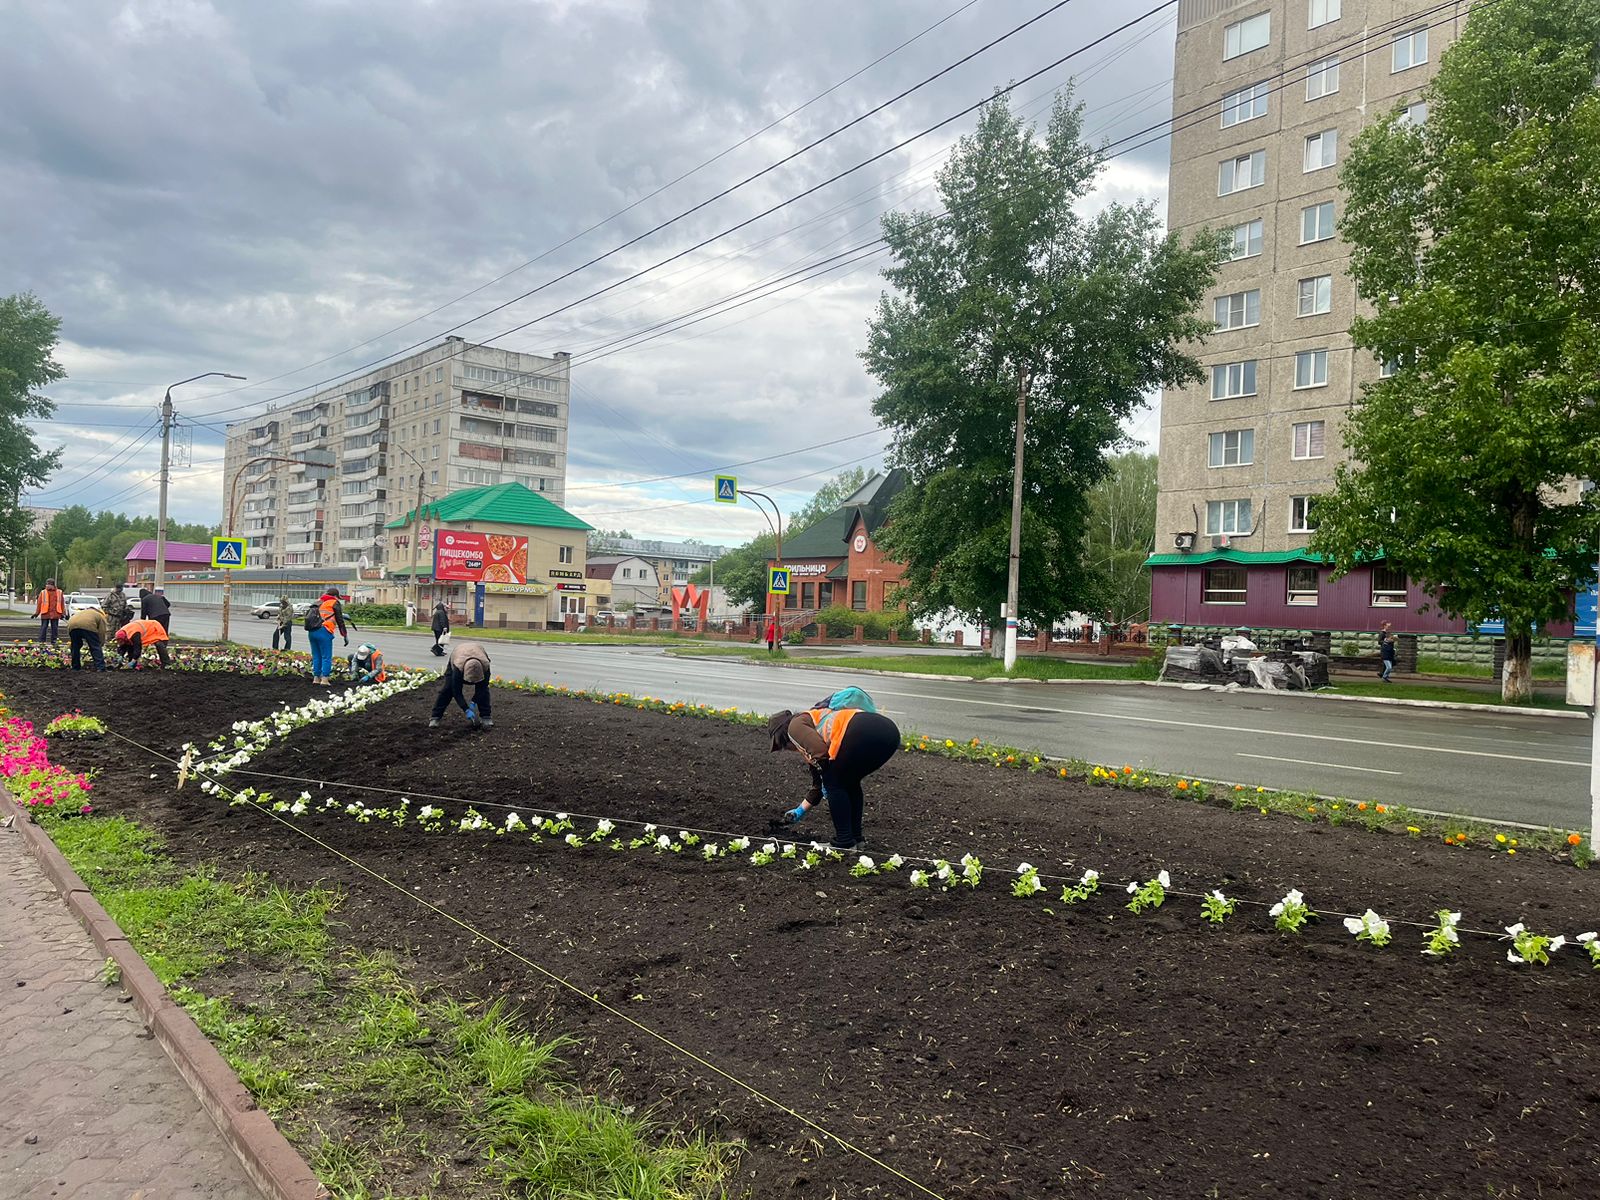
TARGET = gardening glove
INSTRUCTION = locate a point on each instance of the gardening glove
(472, 712)
(795, 815)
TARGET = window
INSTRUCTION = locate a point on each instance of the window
(1316, 295)
(1416, 113)
(808, 595)
(1246, 240)
(1233, 379)
(627, 572)
(1233, 448)
(1241, 37)
(1311, 369)
(1227, 516)
(1388, 367)
(1239, 309)
(858, 595)
(1302, 583)
(438, 375)
(1388, 588)
(1309, 438)
(1222, 585)
(1244, 105)
(1238, 174)
(1322, 12)
(1322, 150)
(1316, 223)
(1410, 50)
(1302, 518)
(1322, 78)
(564, 555)
(434, 477)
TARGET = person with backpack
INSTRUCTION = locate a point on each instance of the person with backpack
(322, 619)
(50, 607)
(441, 627)
(284, 631)
(842, 746)
(138, 633)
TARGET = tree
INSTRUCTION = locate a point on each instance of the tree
(1122, 532)
(1474, 240)
(604, 541)
(28, 335)
(1012, 291)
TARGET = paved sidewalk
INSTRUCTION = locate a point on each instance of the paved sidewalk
(79, 1072)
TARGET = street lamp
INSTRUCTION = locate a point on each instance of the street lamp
(166, 448)
(233, 505)
(777, 535)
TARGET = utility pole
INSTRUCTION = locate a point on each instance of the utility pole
(1015, 566)
(166, 459)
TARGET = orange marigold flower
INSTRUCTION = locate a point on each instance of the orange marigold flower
(1362, 807)
(1183, 785)
(1383, 808)
(1574, 839)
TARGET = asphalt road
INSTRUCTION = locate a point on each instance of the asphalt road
(1504, 767)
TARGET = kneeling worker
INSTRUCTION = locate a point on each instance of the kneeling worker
(366, 664)
(140, 632)
(842, 746)
(468, 663)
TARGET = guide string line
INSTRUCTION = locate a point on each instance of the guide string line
(568, 985)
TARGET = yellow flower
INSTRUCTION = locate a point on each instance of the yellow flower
(949, 745)
(1513, 841)
(1259, 790)
(1501, 838)
(1063, 772)
(1263, 812)
(1510, 851)
(1412, 829)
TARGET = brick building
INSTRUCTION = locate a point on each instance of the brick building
(837, 563)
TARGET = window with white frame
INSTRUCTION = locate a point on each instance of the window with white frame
(1322, 150)
(1222, 585)
(1410, 50)
(1323, 11)
(1246, 240)
(1316, 295)
(1229, 380)
(1388, 588)
(1239, 174)
(1322, 78)
(1416, 113)
(1302, 585)
(1388, 368)
(1241, 37)
(1316, 223)
(1302, 514)
(1311, 368)
(1246, 104)
(1238, 310)
(564, 554)
(1233, 448)
(1225, 517)
(1310, 439)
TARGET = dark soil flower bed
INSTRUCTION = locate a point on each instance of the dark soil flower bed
(982, 1044)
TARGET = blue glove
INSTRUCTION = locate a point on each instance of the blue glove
(795, 815)
(472, 712)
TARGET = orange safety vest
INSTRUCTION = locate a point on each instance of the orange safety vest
(326, 607)
(150, 632)
(51, 604)
(831, 724)
(375, 666)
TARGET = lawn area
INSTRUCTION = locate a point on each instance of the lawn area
(1440, 691)
(1428, 665)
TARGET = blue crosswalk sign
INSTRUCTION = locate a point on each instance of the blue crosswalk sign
(778, 580)
(727, 489)
(228, 553)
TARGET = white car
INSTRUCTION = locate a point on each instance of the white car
(78, 602)
(267, 611)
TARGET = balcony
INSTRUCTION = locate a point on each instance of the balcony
(305, 485)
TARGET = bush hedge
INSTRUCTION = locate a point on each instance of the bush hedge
(376, 614)
(842, 622)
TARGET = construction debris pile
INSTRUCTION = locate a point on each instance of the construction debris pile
(1236, 661)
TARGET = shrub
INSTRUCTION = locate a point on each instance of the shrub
(376, 614)
(841, 623)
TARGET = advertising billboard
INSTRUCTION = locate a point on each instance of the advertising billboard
(480, 557)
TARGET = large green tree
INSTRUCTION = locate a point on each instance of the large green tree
(1122, 532)
(28, 334)
(1013, 288)
(1475, 239)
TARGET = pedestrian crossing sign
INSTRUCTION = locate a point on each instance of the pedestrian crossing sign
(727, 489)
(227, 553)
(778, 580)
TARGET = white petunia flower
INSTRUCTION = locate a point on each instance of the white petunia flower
(1163, 879)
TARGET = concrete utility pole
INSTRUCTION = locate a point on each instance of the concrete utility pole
(1014, 568)
(166, 458)
(416, 531)
(776, 524)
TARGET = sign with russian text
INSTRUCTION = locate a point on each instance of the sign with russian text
(480, 557)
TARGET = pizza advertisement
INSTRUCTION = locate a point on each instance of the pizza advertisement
(480, 557)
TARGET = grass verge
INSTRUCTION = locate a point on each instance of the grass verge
(1430, 665)
(1444, 692)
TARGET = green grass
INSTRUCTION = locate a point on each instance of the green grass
(1428, 665)
(982, 666)
(1433, 691)
(641, 638)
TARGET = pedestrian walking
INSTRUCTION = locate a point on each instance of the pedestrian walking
(88, 627)
(441, 626)
(772, 635)
(50, 607)
(117, 608)
(154, 606)
(842, 746)
(140, 632)
(322, 620)
(285, 630)
(1386, 651)
(468, 663)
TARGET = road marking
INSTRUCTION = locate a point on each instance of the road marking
(1306, 762)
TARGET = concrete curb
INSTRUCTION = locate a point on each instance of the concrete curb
(272, 1163)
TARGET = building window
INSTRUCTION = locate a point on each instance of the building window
(1388, 588)
(1233, 448)
(1227, 517)
(1311, 369)
(1302, 518)
(434, 478)
(1322, 12)
(1316, 223)
(808, 595)
(858, 595)
(1239, 174)
(438, 375)
(1244, 105)
(1222, 585)
(1237, 310)
(1322, 78)
(1302, 583)
(627, 572)
(1246, 240)
(1229, 380)
(1415, 113)
(1322, 150)
(1316, 295)
(1410, 50)
(564, 554)
(1241, 37)
(1388, 368)
(1310, 438)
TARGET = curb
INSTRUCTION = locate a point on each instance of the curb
(274, 1166)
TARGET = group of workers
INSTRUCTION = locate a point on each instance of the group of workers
(114, 621)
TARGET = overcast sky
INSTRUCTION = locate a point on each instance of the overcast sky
(289, 190)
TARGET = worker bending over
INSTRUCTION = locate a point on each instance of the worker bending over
(366, 664)
(468, 663)
(842, 746)
(138, 633)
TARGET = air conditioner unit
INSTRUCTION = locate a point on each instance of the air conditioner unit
(1184, 541)
(1221, 542)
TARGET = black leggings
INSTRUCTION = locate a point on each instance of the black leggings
(870, 740)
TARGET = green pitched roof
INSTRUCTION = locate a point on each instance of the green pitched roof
(503, 503)
(1254, 558)
(826, 539)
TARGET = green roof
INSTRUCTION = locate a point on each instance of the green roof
(827, 538)
(1256, 558)
(503, 504)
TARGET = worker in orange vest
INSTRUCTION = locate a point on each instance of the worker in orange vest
(326, 617)
(140, 632)
(50, 607)
(842, 746)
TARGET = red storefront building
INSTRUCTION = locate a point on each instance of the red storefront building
(836, 563)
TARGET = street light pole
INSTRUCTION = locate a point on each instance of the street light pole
(233, 505)
(416, 526)
(1014, 565)
(166, 458)
(777, 535)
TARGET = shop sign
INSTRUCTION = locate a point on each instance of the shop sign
(517, 589)
(572, 587)
(802, 570)
(563, 573)
(480, 557)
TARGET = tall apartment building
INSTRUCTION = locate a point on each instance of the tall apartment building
(1284, 86)
(456, 415)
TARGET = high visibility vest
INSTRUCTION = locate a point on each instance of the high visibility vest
(51, 604)
(150, 632)
(326, 607)
(831, 724)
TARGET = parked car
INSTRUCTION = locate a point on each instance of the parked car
(77, 602)
(268, 611)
